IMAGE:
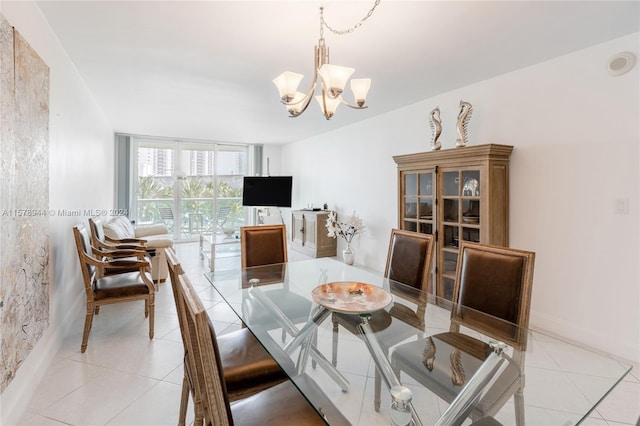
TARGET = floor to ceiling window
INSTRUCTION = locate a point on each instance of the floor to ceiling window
(192, 187)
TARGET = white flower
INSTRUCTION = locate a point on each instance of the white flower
(347, 230)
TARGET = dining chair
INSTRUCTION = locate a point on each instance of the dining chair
(492, 296)
(129, 285)
(247, 366)
(409, 259)
(277, 405)
(262, 245)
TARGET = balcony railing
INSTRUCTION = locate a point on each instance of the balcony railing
(196, 214)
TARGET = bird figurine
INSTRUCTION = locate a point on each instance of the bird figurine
(457, 369)
(436, 128)
(463, 121)
(429, 354)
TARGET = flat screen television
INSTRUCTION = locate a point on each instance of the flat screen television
(267, 191)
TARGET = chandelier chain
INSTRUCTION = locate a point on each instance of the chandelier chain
(323, 23)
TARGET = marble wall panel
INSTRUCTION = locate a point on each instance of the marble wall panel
(24, 200)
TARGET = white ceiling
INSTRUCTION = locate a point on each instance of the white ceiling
(203, 69)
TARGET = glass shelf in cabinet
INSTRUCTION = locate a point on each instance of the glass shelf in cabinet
(449, 275)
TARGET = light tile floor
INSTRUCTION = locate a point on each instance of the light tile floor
(126, 379)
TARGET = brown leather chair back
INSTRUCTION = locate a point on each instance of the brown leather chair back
(263, 245)
(409, 258)
(496, 281)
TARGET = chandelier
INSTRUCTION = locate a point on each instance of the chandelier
(333, 79)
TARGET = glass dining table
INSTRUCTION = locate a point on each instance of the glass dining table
(564, 381)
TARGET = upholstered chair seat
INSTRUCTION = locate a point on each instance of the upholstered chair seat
(248, 367)
(121, 285)
(282, 405)
(445, 374)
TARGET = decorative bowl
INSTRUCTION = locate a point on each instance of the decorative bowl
(350, 297)
(471, 219)
(228, 231)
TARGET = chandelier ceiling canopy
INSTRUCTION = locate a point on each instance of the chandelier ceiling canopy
(333, 79)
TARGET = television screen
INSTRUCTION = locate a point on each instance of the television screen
(271, 191)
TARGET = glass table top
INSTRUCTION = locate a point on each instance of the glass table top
(562, 382)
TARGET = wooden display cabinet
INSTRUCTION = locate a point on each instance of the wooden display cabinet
(309, 233)
(456, 194)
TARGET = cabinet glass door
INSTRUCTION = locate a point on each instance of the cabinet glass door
(418, 202)
(460, 221)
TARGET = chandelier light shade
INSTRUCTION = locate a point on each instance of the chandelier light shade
(335, 78)
(328, 105)
(287, 84)
(360, 87)
(331, 82)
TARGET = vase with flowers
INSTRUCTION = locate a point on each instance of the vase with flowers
(348, 229)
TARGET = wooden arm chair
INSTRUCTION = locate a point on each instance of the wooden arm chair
(100, 240)
(133, 283)
(246, 365)
(278, 405)
(105, 248)
(409, 259)
(495, 281)
(263, 245)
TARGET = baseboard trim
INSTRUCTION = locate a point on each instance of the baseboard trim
(606, 344)
(15, 398)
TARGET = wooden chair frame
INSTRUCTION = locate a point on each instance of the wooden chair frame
(102, 241)
(207, 381)
(90, 267)
(105, 248)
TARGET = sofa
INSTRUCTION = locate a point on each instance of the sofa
(157, 238)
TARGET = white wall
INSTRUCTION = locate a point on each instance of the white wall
(271, 160)
(575, 130)
(81, 176)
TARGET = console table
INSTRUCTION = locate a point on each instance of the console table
(309, 233)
